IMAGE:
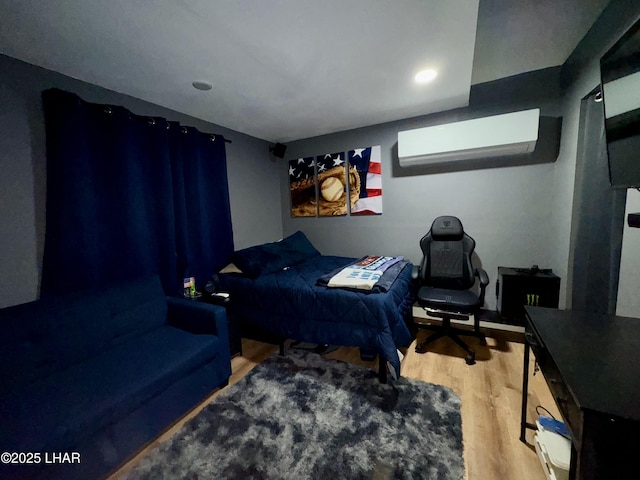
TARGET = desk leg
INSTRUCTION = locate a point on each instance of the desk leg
(525, 388)
(573, 464)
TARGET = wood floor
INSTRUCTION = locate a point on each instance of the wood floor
(490, 391)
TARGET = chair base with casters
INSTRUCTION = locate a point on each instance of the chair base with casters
(446, 330)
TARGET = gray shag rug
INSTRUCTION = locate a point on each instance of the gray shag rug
(302, 416)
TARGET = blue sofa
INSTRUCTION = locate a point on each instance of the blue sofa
(99, 374)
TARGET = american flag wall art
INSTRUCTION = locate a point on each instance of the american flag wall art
(368, 164)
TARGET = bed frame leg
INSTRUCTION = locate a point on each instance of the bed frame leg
(382, 369)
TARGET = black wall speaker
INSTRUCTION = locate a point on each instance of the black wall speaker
(278, 150)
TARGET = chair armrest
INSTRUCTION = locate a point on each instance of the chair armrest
(484, 281)
(482, 275)
(415, 272)
(197, 317)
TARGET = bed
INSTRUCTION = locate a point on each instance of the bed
(275, 295)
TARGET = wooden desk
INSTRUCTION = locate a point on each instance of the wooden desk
(591, 363)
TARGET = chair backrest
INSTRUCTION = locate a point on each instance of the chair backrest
(447, 250)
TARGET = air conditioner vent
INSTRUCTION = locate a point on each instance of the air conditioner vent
(499, 135)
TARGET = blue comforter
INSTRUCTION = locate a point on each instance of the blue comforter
(289, 304)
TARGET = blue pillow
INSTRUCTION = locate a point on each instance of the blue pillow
(295, 248)
(272, 257)
(253, 261)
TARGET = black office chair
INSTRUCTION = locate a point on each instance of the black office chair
(445, 278)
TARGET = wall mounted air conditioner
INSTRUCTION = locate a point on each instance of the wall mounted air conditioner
(508, 134)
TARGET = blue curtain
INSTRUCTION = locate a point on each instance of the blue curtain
(203, 213)
(116, 206)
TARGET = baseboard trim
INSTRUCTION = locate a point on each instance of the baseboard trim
(488, 320)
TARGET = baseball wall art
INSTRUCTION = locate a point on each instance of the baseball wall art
(302, 184)
(335, 184)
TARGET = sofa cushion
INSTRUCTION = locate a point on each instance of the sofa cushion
(77, 402)
(26, 354)
(91, 321)
(42, 337)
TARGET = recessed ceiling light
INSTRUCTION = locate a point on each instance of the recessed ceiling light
(425, 76)
(202, 85)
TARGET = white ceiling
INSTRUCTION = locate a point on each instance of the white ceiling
(290, 69)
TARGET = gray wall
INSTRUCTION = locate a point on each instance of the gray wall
(506, 210)
(253, 175)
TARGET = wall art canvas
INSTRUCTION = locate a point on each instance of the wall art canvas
(302, 187)
(335, 184)
(368, 166)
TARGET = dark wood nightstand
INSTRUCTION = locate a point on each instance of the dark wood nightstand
(235, 341)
